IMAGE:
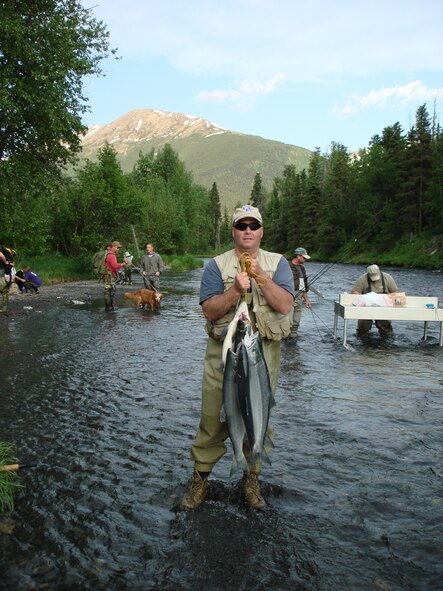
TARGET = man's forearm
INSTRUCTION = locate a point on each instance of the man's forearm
(218, 305)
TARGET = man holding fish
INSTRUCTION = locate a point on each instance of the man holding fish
(246, 296)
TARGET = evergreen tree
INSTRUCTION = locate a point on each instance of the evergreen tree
(433, 208)
(272, 236)
(215, 215)
(338, 212)
(226, 228)
(258, 195)
(419, 171)
(312, 202)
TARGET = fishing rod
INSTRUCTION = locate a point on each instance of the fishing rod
(328, 267)
(16, 467)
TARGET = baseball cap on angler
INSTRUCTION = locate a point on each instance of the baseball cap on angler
(116, 243)
(246, 211)
(301, 252)
(374, 272)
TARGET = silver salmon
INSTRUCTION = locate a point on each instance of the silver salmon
(255, 395)
(231, 339)
(247, 395)
(232, 411)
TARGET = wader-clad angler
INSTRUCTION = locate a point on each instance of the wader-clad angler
(378, 282)
(151, 267)
(6, 264)
(300, 285)
(268, 288)
(110, 276)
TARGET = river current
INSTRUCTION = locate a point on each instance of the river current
(106, 405)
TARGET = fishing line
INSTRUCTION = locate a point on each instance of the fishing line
(346, 346)
(315, 323)
(314, 315)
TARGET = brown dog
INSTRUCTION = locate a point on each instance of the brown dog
(145, 297)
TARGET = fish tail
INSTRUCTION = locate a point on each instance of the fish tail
(235, 466)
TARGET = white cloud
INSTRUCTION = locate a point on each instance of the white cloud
(245, 94)
(412, 92)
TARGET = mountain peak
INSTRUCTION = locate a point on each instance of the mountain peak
(150, 125)
(210, 152)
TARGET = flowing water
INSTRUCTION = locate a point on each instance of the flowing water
(106, 406)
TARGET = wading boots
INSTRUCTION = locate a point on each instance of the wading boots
(196, 492)
(251, 489)
(5, 300)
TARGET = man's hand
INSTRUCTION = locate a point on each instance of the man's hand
(242, 282)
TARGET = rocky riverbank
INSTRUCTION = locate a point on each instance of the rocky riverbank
(54, 295)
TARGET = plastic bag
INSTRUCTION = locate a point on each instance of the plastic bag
(373, 299)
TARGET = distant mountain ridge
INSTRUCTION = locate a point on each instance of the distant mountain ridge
(210, 152)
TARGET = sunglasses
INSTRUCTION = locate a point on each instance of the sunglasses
(243, 225)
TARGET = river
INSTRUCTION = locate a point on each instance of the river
(106, 406)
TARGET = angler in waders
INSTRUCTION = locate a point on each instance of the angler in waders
(300, 286)
(110, 276)
(375, 281)
(267, 288)
(151, 267)
(5, 272)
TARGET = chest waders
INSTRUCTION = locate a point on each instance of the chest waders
(4, 290)
(110, 289)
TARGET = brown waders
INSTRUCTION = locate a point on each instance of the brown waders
(209, 445)
(4, 290)
(110, 290)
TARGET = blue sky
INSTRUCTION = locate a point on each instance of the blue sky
(306, 73)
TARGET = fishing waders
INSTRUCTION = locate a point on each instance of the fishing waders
(4, 290)
(5, 298)
(109, 297)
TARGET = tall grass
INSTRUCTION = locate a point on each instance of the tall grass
(9, 481)
(182, 263)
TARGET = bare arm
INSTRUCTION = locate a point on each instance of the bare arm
(307, 300)
(218, 305)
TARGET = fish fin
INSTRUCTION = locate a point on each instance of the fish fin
(268, 443)
(265, 457)
(223, 414)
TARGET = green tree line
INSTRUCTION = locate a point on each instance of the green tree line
(386, 198)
